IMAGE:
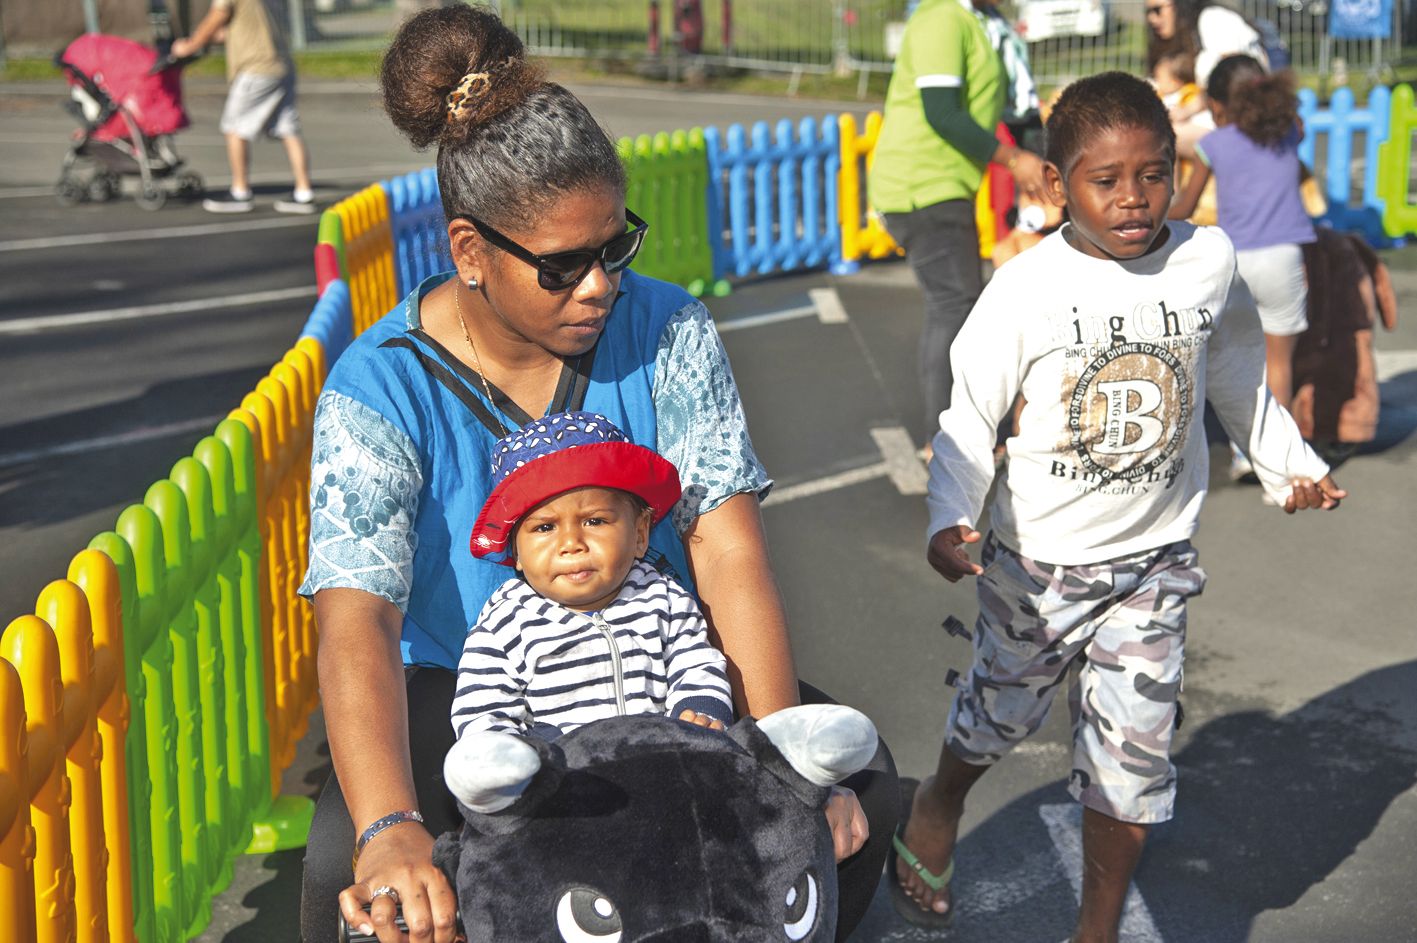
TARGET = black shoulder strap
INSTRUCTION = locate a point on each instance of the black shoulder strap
(438, 371)
(461, 380)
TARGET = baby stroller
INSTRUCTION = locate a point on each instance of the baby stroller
(127, 99)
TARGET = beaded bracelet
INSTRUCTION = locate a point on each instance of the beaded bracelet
(393, 818)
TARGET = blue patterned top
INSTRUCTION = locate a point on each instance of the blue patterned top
(400, 466)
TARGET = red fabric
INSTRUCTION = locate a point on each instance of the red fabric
(621, 465)
(120, 67)
(1001, 186)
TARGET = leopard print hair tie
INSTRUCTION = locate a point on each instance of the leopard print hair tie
(460, 98)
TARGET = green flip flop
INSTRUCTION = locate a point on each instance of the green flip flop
(906, 905)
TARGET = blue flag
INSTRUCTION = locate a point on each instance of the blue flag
(1360, 19)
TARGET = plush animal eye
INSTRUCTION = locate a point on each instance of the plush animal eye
(802, 905)
(584, 915)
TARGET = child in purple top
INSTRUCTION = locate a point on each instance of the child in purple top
(1254, 154)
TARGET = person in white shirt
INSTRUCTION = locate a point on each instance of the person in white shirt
(1115, 330)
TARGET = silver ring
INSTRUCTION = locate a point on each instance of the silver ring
(384, 890)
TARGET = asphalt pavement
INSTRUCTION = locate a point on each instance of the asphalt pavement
(124, 334)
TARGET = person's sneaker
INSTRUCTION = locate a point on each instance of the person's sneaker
(297, 203)
(1240, 468)
(228, 203)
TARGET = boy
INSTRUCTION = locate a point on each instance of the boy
(1116, 330)
(587, 629)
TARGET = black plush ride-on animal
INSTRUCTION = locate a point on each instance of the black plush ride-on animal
(646, 829)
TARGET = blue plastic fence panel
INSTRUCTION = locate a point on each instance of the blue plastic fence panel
(420, 231)
(1338, 124)
(331, 322)
(775, 196)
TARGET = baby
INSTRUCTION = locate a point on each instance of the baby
(587, 629)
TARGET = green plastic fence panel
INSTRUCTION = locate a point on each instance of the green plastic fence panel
(1395, 166)
(180, 618)
(142, 531)
(668, 179)
(228, 459)
(140, 836)
(195, 483)
(332, 231)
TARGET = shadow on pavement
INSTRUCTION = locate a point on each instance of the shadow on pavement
(1268, 807)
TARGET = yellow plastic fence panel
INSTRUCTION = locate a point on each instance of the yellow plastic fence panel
(984, 218)
(369, 254)
(29, 645)
(300, 374)
(65, 607)
(862, 233)
(16, 835)
(273, 614)
(95, 574)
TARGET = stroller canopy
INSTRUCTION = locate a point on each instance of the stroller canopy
(120, 67)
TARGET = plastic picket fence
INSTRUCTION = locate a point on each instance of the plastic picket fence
(863, 236)
(1338, 124)
(358, 228)
(1395, 166)
(668, 179)
(419, 230)
(774, 194)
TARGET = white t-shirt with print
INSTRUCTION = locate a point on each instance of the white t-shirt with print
(1115, 361)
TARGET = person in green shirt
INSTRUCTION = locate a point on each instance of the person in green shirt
(960, 71)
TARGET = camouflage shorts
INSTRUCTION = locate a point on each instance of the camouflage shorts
(1115, 631)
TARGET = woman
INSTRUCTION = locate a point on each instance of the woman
(1203, 33)
(539, 316)
(958, 72)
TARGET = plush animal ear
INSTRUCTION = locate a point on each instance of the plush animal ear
(490, 772)
(810, 747)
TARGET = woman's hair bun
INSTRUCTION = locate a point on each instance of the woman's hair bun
(450, 70)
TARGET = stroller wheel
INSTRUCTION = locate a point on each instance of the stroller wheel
(69, 191)
(190, 185)
(104, 187)
(151, 197)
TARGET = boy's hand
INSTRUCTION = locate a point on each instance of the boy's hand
(947, 552)
(1306, 493)
(701, 720)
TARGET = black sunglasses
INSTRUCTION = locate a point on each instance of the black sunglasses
(562, 270)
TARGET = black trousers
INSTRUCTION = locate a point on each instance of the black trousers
(430, 698)
(941, 243)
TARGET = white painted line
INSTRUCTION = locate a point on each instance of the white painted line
(830, 310)
(818, 486)
(171, 232)
(361, 175)
(907, 472)
(81, 318)
(1394, 363)
(771, 317)
(144, 434)
(36, 137)
(1064, 822)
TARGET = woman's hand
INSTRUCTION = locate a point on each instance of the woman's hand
(401, 857)
(847, 821)
(1027, 170)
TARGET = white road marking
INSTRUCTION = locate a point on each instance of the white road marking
(896, 467)
(830, 310)
(771, 317)
(169, 232)
(360, 175)
(144, 434)
(1064, 822)
(1394, 363)
(907, 472)
(81, 318)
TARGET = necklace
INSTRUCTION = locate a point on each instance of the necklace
(476, 361)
